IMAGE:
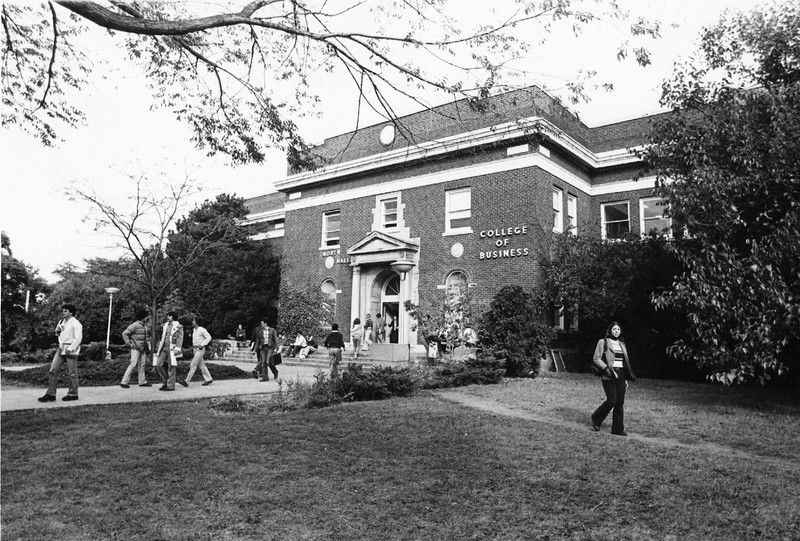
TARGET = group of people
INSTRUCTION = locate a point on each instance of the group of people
(137, 337)
(610, 357)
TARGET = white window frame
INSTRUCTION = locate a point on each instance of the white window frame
(603, 222)
(383, 213)
(452, 214)
(325, 215)
(572, 213)
(558, 210)
(644, 230)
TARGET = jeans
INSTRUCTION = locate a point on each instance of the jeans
(137, 358)
(72, 371)
(265, 362)
(165, 368)
(615, 399)
(197, 361)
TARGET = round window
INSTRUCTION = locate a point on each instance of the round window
(387, 135)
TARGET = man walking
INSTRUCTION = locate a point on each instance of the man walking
(70, 334)
(265, 338)
(166, 361)
(200, 339)
(136, 338)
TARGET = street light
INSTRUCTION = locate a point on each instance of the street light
(403, 266)
(110, 291)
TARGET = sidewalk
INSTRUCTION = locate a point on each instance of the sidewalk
(13, 399)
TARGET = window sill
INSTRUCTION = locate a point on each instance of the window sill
(457, 232)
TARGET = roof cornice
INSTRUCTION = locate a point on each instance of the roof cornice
(476, 138)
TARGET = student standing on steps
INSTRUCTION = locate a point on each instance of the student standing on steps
(70, 334)
(137, 338)
(200, 339)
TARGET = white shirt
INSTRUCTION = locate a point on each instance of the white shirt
(200, 337)
(69, 339)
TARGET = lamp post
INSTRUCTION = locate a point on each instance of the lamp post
(403, 266)
(110, 291)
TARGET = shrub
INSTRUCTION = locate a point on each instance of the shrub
(96, 374)
(481, 369)
(216, 350)
(514, 329)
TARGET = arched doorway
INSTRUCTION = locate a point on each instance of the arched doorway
(390, 307)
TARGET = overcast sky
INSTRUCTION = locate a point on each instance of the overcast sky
(123, 135)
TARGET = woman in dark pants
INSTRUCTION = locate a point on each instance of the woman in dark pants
(611, 358)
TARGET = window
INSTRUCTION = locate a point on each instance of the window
(456, 284)
(330, 229)
(458, 210)
(616, 219)
(389, 213)
(558, 210)
(651, 214)
(328, 288)
(572, 213)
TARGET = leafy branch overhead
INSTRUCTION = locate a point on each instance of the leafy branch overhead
(241, 77)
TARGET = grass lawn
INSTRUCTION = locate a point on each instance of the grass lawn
(418, 468)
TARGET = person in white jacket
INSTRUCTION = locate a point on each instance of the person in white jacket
(70, 334)
(166, 360)
(200, 339)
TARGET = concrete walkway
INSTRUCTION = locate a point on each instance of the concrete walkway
(12, 399)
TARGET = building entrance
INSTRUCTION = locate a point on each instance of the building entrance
(390, 308)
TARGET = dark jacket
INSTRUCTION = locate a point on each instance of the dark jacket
(604, 357)
(334, 340)
(258, 338)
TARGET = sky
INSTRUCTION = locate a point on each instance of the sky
(123, 136)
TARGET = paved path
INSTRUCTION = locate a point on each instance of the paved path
(12, 399)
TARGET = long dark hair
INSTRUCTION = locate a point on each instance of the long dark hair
(608, 331)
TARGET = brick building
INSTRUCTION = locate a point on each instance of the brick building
(454, 197)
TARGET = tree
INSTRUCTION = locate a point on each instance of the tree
(142, 224)
(304, 308)
(22, 293)
(446, 318)
(600, 281)
(514, 328)
(86, 289)
(235, 282)
(729, 172)
(238, 78)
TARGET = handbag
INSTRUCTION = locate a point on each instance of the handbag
(276, 359)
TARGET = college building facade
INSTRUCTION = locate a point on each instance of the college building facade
(453, 197)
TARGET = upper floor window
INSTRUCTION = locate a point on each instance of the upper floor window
(389, 213)
(651, 215)
(330, 229)
(616, 219)
(572, 213)
(458, 211)
(558, 210)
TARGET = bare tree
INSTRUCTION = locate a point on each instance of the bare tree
(143, 227)
(239, 77)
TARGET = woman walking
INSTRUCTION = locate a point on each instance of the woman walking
(611, 359)
(356, 333)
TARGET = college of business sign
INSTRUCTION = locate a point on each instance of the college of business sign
(502, 238)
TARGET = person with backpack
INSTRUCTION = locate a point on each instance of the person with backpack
(611, 362)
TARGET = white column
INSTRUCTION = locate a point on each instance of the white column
(406, 289)
(355, 296)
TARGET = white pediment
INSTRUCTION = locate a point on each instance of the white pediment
(377, 242)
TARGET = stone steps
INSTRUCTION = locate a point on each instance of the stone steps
(319, 359)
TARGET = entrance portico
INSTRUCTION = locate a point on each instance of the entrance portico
(378, 288)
